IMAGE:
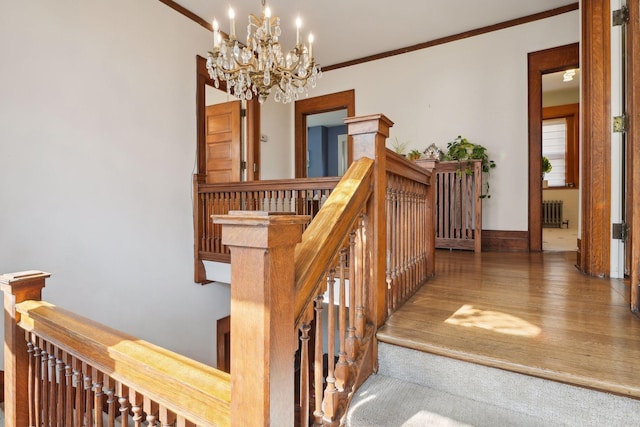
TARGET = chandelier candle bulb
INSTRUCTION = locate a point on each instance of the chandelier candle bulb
(298, 25)
(232, 19)
(216, 30)
(310, 45)
(267, 14)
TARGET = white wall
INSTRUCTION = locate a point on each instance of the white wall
(475, 87)
(97, 141)
(276, 124)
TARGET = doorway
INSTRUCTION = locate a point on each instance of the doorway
(561, 157)
(313, 111)
(540, 63)
(250, 152)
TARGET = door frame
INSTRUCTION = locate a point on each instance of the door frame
(315, 105)
(542, 62)
(633, 151)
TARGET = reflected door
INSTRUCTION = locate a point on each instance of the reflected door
(222, 142)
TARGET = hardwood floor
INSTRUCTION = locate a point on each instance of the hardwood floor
(532, 313)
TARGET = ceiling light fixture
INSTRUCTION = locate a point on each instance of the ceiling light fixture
(260, 65)
(568, 75)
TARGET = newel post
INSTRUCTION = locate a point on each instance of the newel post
(262, 315)
(369, 135)
(17, 287)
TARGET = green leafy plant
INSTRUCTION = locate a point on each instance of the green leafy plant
(414, 154)
(546, 166)
(397, 146)
(462, 149)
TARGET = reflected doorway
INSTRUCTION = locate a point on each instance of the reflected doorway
(311, 116)
(327, 148)
(560, 151)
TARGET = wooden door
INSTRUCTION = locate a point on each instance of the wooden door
(223, 142)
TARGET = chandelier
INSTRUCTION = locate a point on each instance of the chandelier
(259, 66)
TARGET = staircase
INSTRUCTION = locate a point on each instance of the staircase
(414, 388)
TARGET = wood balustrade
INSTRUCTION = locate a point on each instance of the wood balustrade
(300, 196)
(409, 254)
(66, 370)
(368, 248)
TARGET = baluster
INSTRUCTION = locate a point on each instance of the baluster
(136, 408)
(304, 374)
(202, 215)
(110, 392)
(389, 210)
(37, 385)
(166, 417)
(60, 394)
(396, 248)
(361, 279)
(330, 396)
(31, 381)
(210, 208)
(151, 409)
(123, 401)
(342, 367)
(44, 382)
(67, 418)
(352, 343)
(77, 384)
(51, 373)
(88, 402)
(318, 356)
(97, 398)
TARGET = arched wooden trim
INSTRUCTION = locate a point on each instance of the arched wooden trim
(541, 62)
(318, 104)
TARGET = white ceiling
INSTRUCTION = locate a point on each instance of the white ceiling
(350, 29)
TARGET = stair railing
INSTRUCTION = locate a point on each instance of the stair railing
(62, 369)
(343, 288)
(311, 300)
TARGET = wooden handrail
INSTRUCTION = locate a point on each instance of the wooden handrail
(400, 166)
(188, 388)
(320, 183)
(322, 239)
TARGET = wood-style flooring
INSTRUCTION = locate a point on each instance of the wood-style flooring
(532, 313)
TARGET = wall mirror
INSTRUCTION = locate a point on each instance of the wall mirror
(322, 147)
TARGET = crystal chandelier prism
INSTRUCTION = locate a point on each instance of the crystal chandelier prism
(260, 66)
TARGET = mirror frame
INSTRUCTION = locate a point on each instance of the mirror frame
(319, 104)
(253, 125)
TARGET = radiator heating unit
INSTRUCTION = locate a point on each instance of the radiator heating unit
(552, 213)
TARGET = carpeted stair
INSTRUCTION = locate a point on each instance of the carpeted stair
(414, 388)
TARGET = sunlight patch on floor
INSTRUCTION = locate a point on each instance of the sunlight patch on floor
(470, 317)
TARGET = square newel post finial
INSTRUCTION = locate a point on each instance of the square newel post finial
(262, 317)
(17, 287)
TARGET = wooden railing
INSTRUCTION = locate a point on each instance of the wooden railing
(65, 370)
(319, 313)
(410, 245)
(300, 196)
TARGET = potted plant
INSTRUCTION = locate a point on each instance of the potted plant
(414, 155)
(546, 168)
(461, 149)
(397, 146)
